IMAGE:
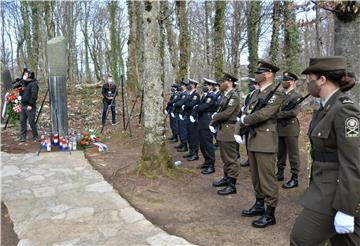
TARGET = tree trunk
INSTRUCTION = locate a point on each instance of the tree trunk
(253, 20)
(235, 44)
(26, 27)
(291, 38)
(219, 36)
(207, 37)
(184, 41)
(113, 9)
(274, 45)
(139, 42)
(86, 41)
(319, 42)
(35, 30)
(155, 158)
(132, 72)
(346, 39)
(171, 38)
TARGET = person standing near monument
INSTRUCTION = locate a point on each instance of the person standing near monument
(28, 105)
(109, 92)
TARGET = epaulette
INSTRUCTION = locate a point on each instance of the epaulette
(346, 100)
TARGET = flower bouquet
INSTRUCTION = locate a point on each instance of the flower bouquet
(88, 137)
(12, 104)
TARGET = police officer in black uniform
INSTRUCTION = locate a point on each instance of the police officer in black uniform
(204, 111)
(192, 127)
(28, 105)
(183, 146)
(109, 92)
(168, 110)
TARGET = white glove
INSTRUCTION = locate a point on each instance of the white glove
(242, 109)
(181, 117)
(242, 118)
(183, 107)
(172, 115)
(237, 119)
(165, 111)
(238, 139)
(212, 116)
(343, 223)
(192, 120)
(212, 129)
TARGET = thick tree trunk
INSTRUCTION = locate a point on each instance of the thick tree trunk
(347, 42)
(274, 45)
(155, 159)
(139, 41)
(113, 9)
(25, 13)
(319, 42)
(35, 31)
(207, 37)
(253, 20)
(132, 72)
(184, 41)
(219, 36)
(171, 38)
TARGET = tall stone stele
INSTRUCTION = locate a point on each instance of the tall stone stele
(57, 67)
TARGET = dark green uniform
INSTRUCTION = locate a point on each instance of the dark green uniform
(335, 175)
(288, 129)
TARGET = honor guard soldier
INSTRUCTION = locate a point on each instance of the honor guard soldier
(252, 86)
(203, 113)
(262, 143)
(225, 119)
(332, 200)
(192, 127)
(109, 91)
(182, 127)
(169, 109)
(288, 130)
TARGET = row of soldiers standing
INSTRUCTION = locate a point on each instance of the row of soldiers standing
(218, 112)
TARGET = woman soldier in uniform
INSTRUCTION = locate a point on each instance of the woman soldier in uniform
(332, 200)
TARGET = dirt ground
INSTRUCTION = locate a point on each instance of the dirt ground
(186, 205)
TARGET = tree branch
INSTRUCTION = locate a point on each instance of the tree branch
(328, 9)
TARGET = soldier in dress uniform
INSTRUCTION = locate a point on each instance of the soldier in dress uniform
(192, 127)
(168, 110)
(262, 147)
(332, 200)
(252, 86)
(288, 130)
(204, 111)
(182, 127)
(225, 118)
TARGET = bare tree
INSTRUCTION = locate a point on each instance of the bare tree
(132, 72)
(274, 46)
(219, 37)
(184, 40)
(253, 20)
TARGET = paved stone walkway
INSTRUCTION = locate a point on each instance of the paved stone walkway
(59, 199)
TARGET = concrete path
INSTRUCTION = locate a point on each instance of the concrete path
(59, 199)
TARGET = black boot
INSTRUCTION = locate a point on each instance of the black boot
(181, 145)
(175, 139)
(257, 209)
(171, 138)
(244, 163)
(229, 189)
(267, 219)
(221, 182)
(292, 183)
(203, 166)
(183, 149)
(280, 174)
(188, 154)
(209, 169)
(194, 156)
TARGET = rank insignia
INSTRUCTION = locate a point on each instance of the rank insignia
(272, 99)
(195, 97)
(231, 102)
(352, 127)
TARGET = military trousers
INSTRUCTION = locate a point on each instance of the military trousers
(26, 115)
(313, 228)
(262, 167)
(206, 145)
(193, 136)
(289, 146)
(228, 155)
(182, 127)
(174, 125)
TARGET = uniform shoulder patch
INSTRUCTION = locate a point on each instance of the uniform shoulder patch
(272, 99)
(352, 127)
(183, 96)
(231, 102)
(195, 97)
(208, 100)
(346, 100)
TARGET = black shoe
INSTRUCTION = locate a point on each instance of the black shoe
(221, 182)
(203, 166)
(174, 140)
(172, 137)
(230, 188)
(188, 155)
(244, 163)
(280, 175)
(257, 209)
(179, 146)
(267, 219)
(292, 183)
(183, 149)
(194, 157)
(209, 170)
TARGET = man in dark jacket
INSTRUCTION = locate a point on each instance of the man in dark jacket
(28, 105)
(109, 92)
